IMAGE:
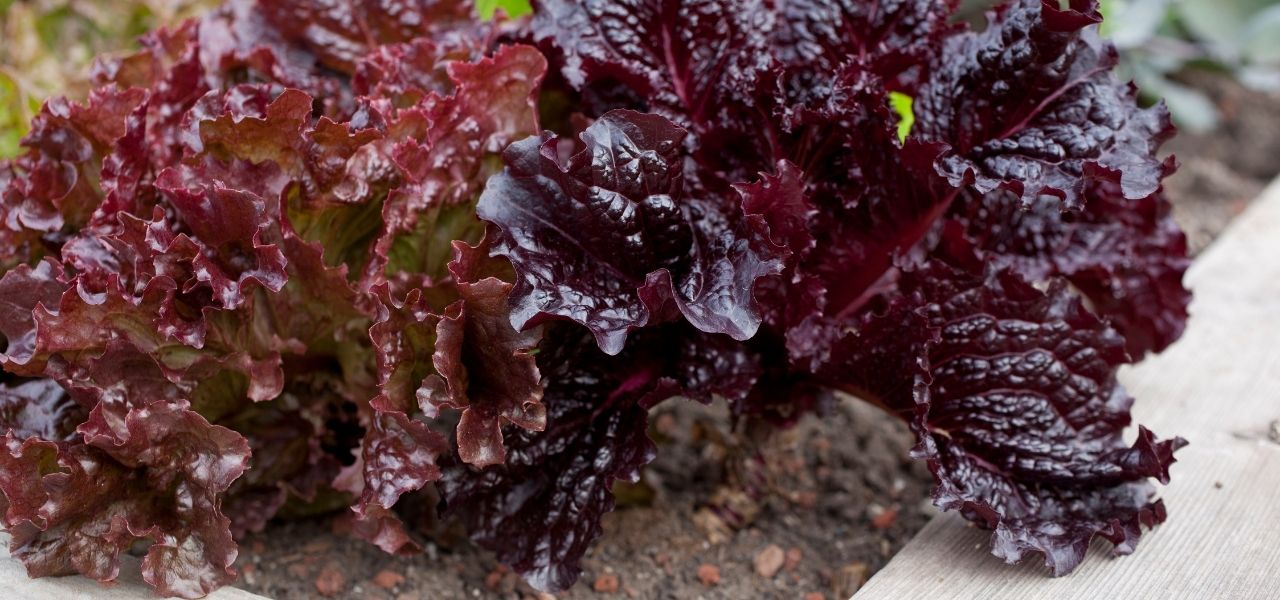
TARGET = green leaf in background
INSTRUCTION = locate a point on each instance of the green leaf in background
(902, 105)
(13, 117)
(513, 8)
(1221, 23)
(47, 47)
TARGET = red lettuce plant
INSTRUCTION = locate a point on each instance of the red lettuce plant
(297, 255)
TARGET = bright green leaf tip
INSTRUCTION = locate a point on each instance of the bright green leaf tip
(513, 8)
(901, 104)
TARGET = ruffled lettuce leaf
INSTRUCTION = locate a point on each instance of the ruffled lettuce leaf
(1052, 116)
(596, 434)
(1013, 397)
(607, 237)
(1126, 256)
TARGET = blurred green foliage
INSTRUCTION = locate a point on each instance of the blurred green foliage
(49, 46)
(1160, 38)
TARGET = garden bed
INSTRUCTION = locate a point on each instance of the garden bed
(838, 497)
(839, 479)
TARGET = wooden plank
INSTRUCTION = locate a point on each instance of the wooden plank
(15, 584)
(1219, 387)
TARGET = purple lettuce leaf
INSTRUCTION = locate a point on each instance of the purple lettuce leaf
(690, 60)
(597, 407)
(487, 369)
(1051, 116)
(143, 466)
(1012, 394)
(341, 32)
(813, 38)
(38, 408)
(1126, 256)
(607, 238)
(560, 479)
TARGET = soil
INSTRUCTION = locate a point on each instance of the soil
(1223, 170)
(843, 496)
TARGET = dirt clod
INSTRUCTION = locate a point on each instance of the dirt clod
(606, 584)
(769, 561)
(794, 557)
(709, 575)
(388, 579)
(330, 582)
(885, 518)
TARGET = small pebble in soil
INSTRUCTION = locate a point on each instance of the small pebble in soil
(330, 582)
(606, 584)
(769, 561)
(388, 579)
(794, 557)
(248, 572)
(815, 596)
(885, 519)
(850, 579)
(709, 575)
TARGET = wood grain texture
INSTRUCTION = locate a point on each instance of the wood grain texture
(15, 585)
(1219, 387)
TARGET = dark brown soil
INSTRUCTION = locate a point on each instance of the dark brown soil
(1224, 170)
(844, 496)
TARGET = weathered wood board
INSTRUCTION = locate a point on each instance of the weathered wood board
(1219, 387)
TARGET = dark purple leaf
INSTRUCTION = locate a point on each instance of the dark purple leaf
(1050, 117)
(1013, 396)
(607, 238)
(1126, 256)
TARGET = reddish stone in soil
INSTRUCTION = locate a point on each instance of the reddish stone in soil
(387, 579)
(709, 575)
(330, 582)
(885, 519)
(769, 561)
(606, 584)
(248, 569)
(493, 579)
(815, 596)
(794, 556)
